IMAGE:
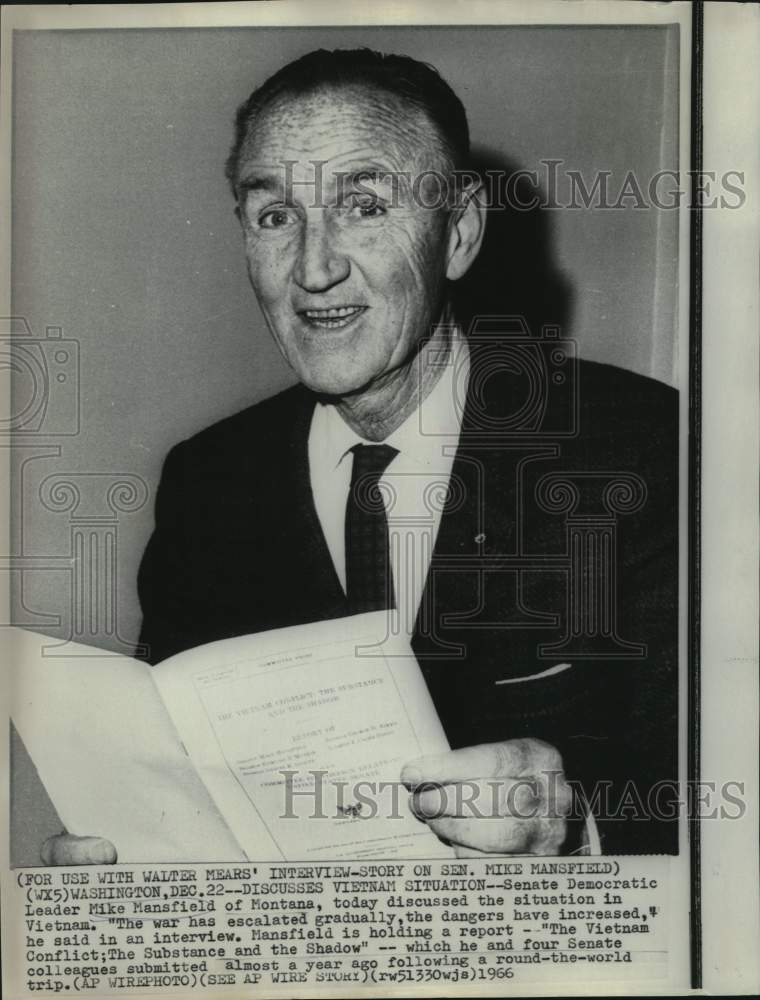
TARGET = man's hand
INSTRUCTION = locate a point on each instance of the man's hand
(496, 798)
(66, 849)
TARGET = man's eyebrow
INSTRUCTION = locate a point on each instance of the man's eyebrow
(366, 174)
(258, 182)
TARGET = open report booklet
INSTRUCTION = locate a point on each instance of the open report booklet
(284, 745)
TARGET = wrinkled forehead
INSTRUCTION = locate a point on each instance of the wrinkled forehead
(340, 125)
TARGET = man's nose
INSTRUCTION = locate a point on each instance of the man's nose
(320, 263)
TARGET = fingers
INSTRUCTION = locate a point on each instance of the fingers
(496, 798)
(520, 798)
(66, 849)
(501, 835)
(489, 760)
(511, 758)
(489, 835)
(467, 852)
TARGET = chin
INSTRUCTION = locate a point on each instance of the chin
(333, 387)
(334, 383)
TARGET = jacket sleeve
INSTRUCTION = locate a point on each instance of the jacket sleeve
(162, 581)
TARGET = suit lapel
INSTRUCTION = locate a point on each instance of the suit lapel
(317, 576)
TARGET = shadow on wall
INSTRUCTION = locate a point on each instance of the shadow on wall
(515, 273)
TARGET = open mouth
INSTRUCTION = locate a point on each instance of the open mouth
(332, 319)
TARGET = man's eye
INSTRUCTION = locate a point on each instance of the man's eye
(365, 206)
(275, 218)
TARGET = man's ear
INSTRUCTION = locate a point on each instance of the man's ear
(468, 225)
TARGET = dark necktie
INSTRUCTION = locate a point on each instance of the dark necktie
(369, 579)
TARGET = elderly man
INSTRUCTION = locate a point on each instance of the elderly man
(349, 171)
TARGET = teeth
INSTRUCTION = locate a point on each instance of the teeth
(332, 313)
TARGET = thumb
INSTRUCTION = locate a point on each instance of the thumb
(67, 849)
(487, 760)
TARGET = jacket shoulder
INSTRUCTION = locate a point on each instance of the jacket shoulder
(630, 412)
(621, 391)
(267, 424)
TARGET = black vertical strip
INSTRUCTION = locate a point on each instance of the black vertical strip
(695, 495)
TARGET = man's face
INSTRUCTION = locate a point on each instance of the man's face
(348, 266)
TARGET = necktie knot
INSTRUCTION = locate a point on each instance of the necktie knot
(370, 462)
(368, 575)
(372, 459)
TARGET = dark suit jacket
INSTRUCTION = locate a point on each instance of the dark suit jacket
(238, 548)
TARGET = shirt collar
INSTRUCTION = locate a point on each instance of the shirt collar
(420, 438)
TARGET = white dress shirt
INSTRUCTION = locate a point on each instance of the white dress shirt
(414, 485)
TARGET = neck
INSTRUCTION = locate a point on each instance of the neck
(384, 406)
